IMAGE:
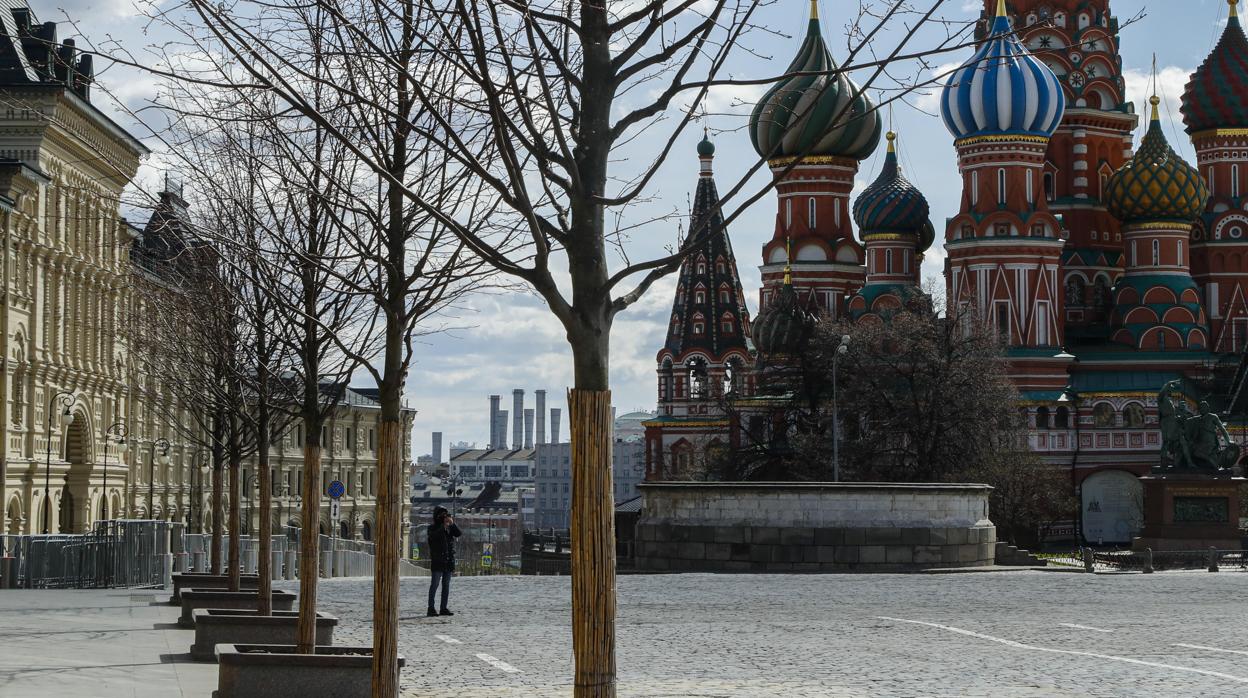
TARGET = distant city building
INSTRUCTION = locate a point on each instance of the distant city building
(631, 426)
(554, 479)
(503, 465)
(436, 453)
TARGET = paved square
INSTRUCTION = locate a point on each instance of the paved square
(1000, 634)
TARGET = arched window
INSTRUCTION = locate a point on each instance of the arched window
(1030, 187)
(1061, 418)
(1156, 252)
(1133, 415)
(888, 261)
(1234, 181)
(810, 212)
(725, 296)
(788, 213)
(1049, 186)
(1001, 186)
(726, 324)
(1103, 415)
(1180, 262)
(699, 297)
(975, 187)
(1042, 418)
(836, 211)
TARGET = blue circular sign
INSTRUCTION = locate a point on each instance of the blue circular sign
(336, 489)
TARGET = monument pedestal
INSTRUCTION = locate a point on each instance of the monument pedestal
(1190, 512)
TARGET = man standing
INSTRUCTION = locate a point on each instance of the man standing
(442, 535)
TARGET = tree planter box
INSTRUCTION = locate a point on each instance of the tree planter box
(212, 598)
(275, 671)
(203, 580)
(216, 626)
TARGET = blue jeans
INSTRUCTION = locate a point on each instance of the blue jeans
(436, 577)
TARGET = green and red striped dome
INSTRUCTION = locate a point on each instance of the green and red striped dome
(1216, 97)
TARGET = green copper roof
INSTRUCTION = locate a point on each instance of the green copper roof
(820, 112)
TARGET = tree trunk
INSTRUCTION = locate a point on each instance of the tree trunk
(593, 544)
(309, 540)
(265, 568)
(388, 527)
(235, 508)
(217, 484)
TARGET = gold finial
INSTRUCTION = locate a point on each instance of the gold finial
(788, 260)
(1234, 7)
(814, 9)
(1155, 100)
(892, 147)
(1000, 8)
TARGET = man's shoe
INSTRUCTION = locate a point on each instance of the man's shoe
(431, 612)
(446, 612)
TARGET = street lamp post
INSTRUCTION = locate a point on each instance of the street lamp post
(836, 422)
(248, 483)
(119, 430)
(163, 445)
(65, 416)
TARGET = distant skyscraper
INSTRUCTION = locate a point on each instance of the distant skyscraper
(437, 448)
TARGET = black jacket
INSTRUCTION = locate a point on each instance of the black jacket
(442, 547)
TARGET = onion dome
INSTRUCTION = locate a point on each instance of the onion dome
(1156, 184)
(1003, 90)
(706, 148)
(891, 204)
(783, 327)
(816, 110)
(1217, 94)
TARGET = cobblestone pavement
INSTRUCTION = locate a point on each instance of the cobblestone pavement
(1008, 634)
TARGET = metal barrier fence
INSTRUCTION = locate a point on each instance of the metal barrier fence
(126, 553)
(1161, 560)
(122, 553)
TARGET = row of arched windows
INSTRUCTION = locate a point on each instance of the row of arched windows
(1104, 416)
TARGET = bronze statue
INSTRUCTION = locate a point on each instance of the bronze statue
(1192, 442)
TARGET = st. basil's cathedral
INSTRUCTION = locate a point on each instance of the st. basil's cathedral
(1107, 271)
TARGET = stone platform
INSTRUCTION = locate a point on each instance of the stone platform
(812, 527)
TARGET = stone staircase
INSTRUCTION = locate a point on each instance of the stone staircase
(1010, 556)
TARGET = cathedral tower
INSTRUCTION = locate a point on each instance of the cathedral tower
(814, 130)
(1005, 245)
(892, 217)
(1078, 41)
(1215, 109)
(1157, 196)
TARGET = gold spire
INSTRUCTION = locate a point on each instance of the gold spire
(1234, 7)
(788, 254)
(1000, 8)
(814, 9)
(892, 147)
(1155, 100)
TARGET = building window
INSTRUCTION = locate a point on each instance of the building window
(1061, 418)
(699, 328)
(1042, 418)
(1234, 181)
(888, 261)
(701, 268)
(788, 213)
(810, 212)
(1003, 230)
(724, 296)
(975, 188)
(1003, 321)
(1103, 415)
(725, 325)
(836, 212)
(1049, 186)
(905, 262)
(968, 232)
(1133, 415)
(1001, 186)
(1209, 178)
(1031, 187)
(1037, 230)
(1180, 261)
(1156, 253)
(699, 297)
(1042, 324)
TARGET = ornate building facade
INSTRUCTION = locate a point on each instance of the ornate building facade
(1106, 271)
(67, 294)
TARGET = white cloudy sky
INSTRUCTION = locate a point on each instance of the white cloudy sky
(509, 340)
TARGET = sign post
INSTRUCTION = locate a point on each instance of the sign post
(336, 490)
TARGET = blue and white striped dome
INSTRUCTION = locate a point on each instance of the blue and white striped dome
(1002, 90)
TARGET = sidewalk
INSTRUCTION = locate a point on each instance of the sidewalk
(114, 642)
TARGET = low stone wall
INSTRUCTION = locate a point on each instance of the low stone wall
(812, 527)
